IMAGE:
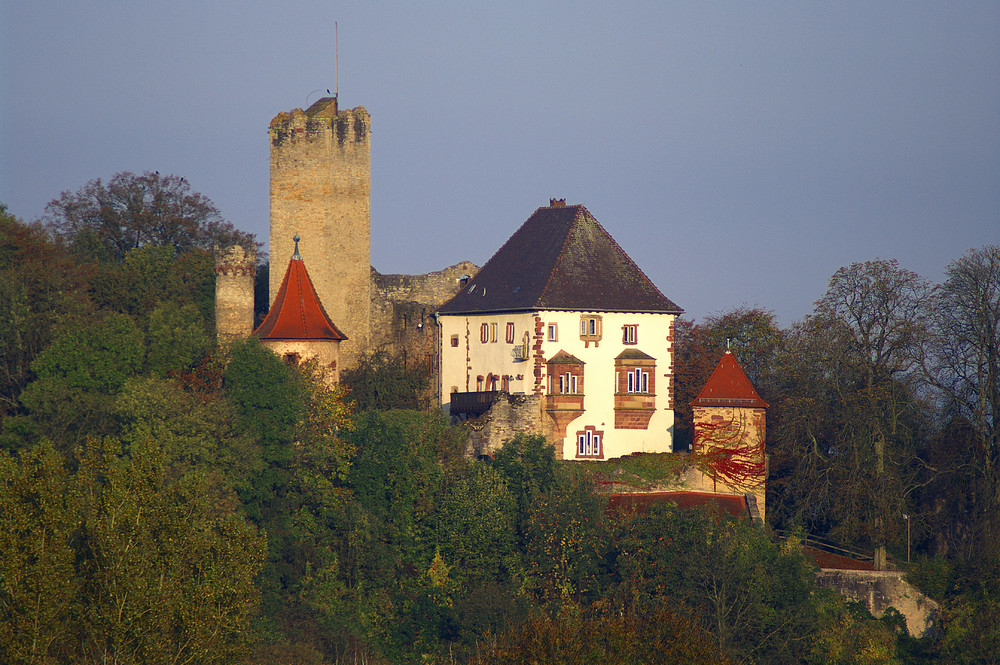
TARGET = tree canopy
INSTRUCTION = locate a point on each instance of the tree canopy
(107, 220)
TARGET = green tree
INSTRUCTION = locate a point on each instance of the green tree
(40, 590)
(168, 578)
(176, 338)
(116, 562)
(153, 276)
(39, 286)
(197, 433)
(751, 596)
(565, 541)
(381, 382)
(529, 464)
(601, 634)
(106, 221)
(78, 375)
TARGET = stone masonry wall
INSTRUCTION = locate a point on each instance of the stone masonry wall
(234, 279)
(402, 315)
(881, 589)
(510, 415)
(748, 424)
(320, 189)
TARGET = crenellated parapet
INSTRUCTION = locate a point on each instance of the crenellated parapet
(235, 261)
(321, 122)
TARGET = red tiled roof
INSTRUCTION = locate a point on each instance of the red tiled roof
(560, 259)
(297, 312)
(728, 386)
(734, 504)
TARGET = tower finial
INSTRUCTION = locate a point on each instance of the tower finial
(295, 256)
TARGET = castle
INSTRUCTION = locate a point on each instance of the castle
(559, 334)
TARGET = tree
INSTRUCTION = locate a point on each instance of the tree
(167, 577)
(77, 377)
(106, 221)
(601, 634)
(381, 382)
(848, 424)
(39, 286)
(40, 517)
(964, 357)
(117, 562)
(753, 598)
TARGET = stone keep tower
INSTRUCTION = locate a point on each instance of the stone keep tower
(320, 190)
(235, 270)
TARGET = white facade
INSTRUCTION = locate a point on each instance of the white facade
(608, 394)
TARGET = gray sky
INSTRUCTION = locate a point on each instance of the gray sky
(740, 152)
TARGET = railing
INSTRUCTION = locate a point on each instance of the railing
(473, 404)
(828, 546)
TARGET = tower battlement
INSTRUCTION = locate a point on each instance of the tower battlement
(322, 122)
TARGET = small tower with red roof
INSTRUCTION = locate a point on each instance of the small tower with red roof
(729, 419)
(298, 328)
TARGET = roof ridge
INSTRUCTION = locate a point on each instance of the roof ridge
(569, 231)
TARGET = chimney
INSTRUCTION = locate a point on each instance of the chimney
(557, 203)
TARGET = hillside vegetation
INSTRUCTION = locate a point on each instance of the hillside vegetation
(163, 500)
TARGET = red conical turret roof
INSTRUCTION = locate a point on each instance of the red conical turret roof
(729, 386)
(297, 312)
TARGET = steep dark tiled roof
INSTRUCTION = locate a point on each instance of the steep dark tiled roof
(297, 312)
(560, 259)
(729, 386)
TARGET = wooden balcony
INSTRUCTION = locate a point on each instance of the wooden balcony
(473, 404)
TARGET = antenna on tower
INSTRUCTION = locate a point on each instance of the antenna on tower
(336, 61)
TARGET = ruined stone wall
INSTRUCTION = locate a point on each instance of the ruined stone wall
(235, 270)
(510, 415)
(320, 190)
(402, 316)
(881, 589)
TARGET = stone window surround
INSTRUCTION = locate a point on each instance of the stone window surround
(589, 443)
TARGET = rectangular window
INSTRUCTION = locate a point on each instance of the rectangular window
(484, 333)
(588, 444)
(630, 334)
(493, 332)
(454, 340)
(510, 332)
(568, 384)
(638, 381)
(553, 333)
(590, 329)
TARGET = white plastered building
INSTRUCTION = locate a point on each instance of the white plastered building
(561, 313)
